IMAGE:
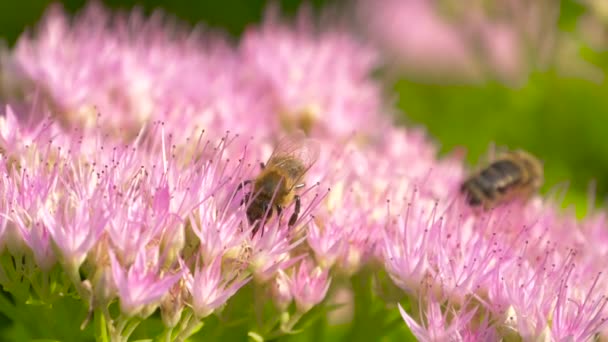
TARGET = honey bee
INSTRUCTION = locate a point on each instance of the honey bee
(275, 187)
(514, 174)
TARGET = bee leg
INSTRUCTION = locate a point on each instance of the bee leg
(240, 187)
(268, 211)
(256, 227)
(246, 198)
(279, 210)
(246, 182)
(299, 186)
(296, 212)
(262, 165)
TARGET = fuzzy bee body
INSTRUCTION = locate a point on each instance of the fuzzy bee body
(275, 187)
(516, 174)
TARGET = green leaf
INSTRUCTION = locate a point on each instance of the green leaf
(315, 314)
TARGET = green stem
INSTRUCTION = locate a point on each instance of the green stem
(185, 321)
(45, 286)
(360, 325)
(18, 288)
(109, 321)
(35, 285)
(193, 323)
(131, 326)
(122, 321)
(168, 334)
(258, 305)
(288, 327)
(74, 276)
(101, 331)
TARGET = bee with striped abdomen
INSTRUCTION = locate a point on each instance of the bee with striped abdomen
(276, 185)
(515, 174)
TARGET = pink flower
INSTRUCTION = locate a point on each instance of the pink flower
(438, 325)
(217, 233)
(466, 256)
(308, 285)
(20, 131)
(314, 80)
(133, 71)
(141, 284)
(173, 304)
(270, 252)
(74, 227)
(38, 239)
(415, 32)
(4, 220)
(30, 168)
(367, 183)
(281, 293)
(483, 331)
(326, 240)
(468, 42)
(548, 297)
(209, 289)
(406, 250)
(593, 238)
(580, 311)
(345, 224)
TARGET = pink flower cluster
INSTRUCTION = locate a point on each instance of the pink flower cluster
(466, 41)
(148, 229)
(523, 267)
(134, 70)
(121, 186)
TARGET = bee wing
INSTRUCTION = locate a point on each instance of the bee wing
(493, 153)
(295, 146)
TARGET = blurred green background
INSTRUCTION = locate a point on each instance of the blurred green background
(563, 120)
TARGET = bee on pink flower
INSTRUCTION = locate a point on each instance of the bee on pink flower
(274, 188)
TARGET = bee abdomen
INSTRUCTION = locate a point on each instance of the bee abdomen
(492, 183)
(477, 192)
(503, 174)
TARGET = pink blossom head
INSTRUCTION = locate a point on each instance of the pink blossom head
(209, 289)
(308, 285)
(438, 324)
(141, 284)
(368, 185)
(133, 71)
(280, 290)
(465, 42)
(314, 80)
